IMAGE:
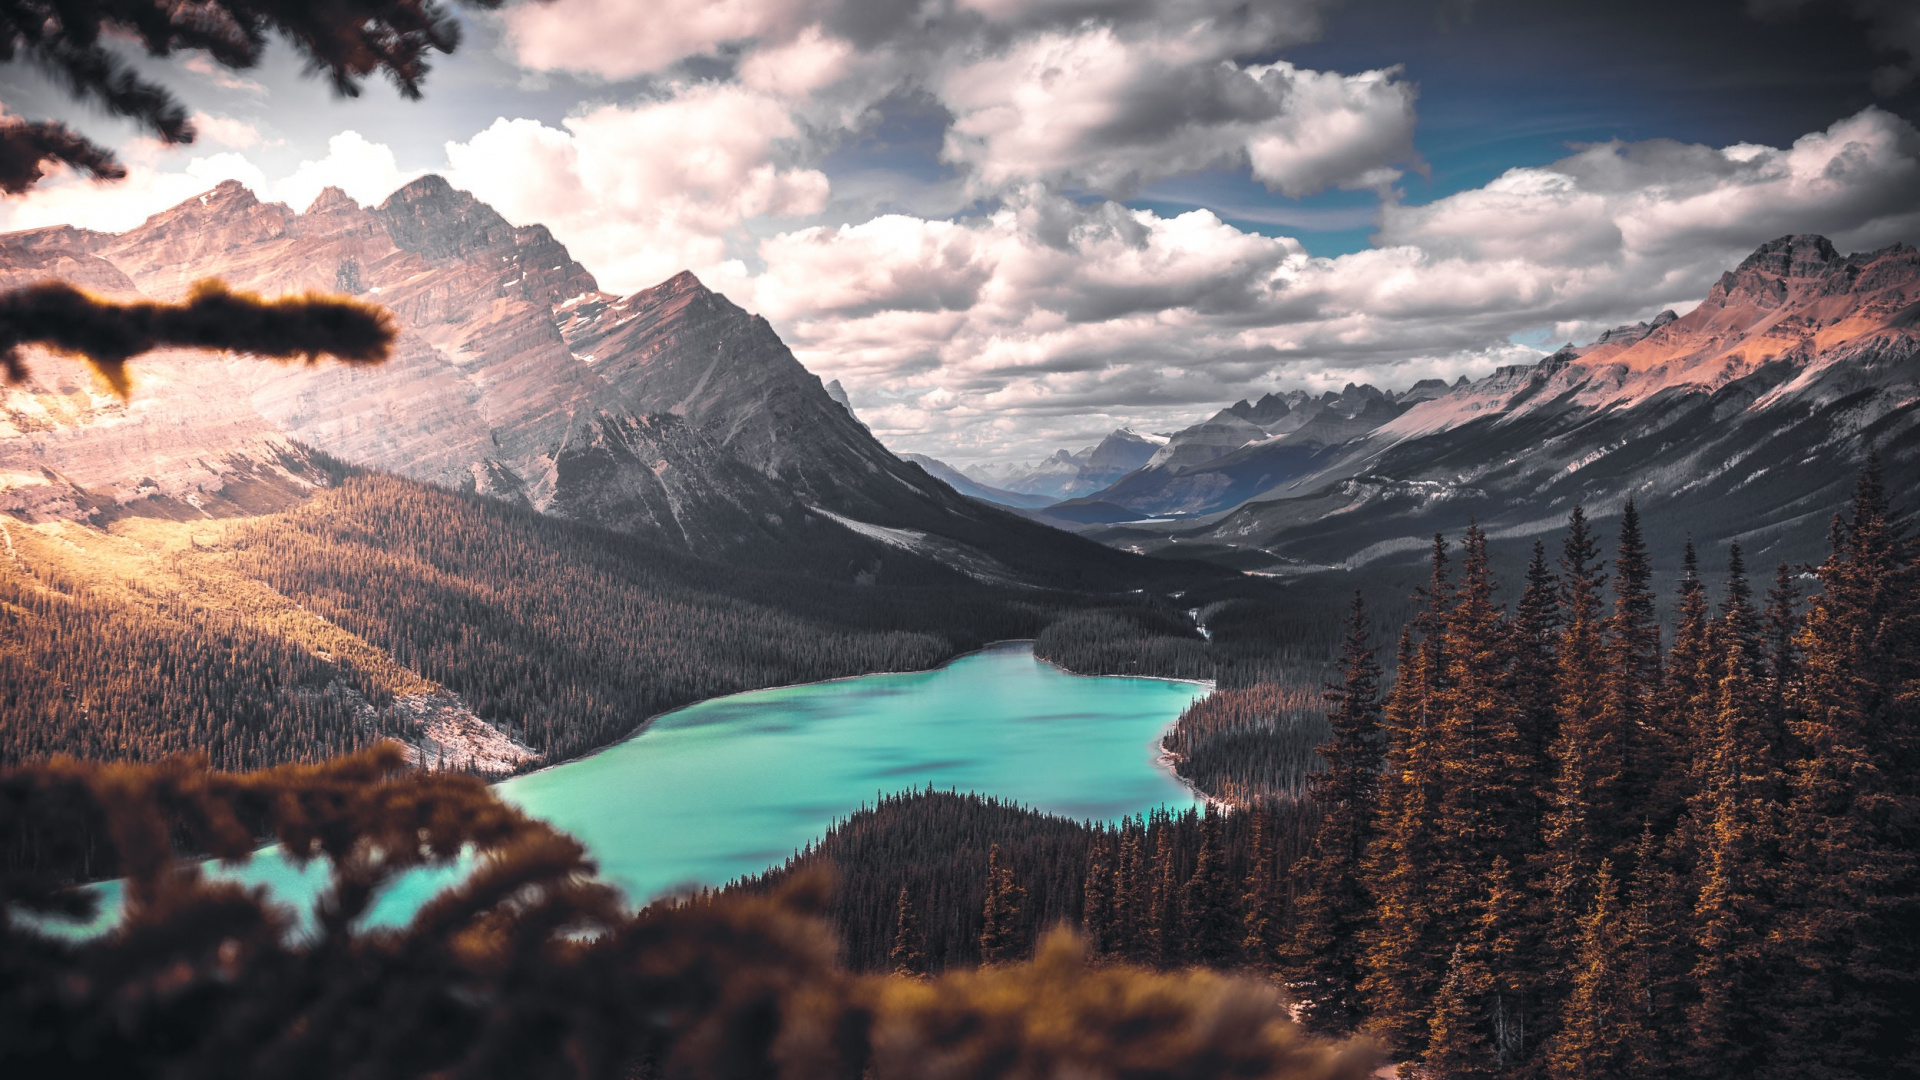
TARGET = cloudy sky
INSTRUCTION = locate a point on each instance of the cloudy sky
(1008, 226)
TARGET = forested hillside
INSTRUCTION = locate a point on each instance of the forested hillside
(298, 635)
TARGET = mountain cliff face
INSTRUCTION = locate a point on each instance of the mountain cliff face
(670, 413)
(1749, 415)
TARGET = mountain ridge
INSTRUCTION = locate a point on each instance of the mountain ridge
(1751, 412)
(671, 412)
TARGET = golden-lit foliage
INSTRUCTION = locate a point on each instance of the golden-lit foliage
(529, 968)
(143, 642)
(1059, 1016)
(107, 333)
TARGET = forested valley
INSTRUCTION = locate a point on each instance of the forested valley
(291, 636)
(1547, 846)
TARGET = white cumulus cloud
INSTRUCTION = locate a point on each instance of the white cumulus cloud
(1048, 321)
(1099, 111)
(640, 192)
(366, 171)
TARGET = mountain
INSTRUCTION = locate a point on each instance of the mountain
(1241, 451)
(1066, 473)
(972, 489)
(670, 414)
(1743, 420)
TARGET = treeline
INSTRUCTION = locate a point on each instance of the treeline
(1239, 635)
(1555, 848)
(85, 673)
(921, 875)
(1551, 847)
(1144, 639)
(1246, 745)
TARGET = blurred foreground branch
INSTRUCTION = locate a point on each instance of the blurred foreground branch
(108, 333)
(26, 149)
(528, 969)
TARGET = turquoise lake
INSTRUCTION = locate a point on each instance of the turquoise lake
(732, 786)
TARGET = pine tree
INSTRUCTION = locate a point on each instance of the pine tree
(1263, 905)
(1098, 900)
(1166, 941)
(1133, 909)
(1849, 1003)
(1405, 951)
(1001, 939)
(1584, 805)
(1534, 633)
(1738, 626)
(1687, 694)
(1333, 910)
(1737, 903)
(1212, 925)
(1480, 807)
(1660, 959)
(1457, 1044)
(1632, 652)
(1600, 1024)
(1483, 1016)
(1782, 624)
(909, 953)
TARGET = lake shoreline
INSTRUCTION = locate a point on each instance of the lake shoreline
(647, 722)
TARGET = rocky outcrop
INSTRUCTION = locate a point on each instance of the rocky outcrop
(449, 736)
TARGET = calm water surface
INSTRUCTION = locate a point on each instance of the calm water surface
(735, 785)
(732, 786)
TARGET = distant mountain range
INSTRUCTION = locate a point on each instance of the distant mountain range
(1751, 413)
(1745, 419)
(670, 414)
(1069, 473)
(1218, 463)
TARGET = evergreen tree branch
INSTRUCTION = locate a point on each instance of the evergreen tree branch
(27, 149)
(108, 333)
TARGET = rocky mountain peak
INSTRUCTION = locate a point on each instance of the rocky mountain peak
(231, 205)
(1632, 332)
(1801, 256)
(1268, 409)
(436, 220)
(332, 200)
(1424, 390)
(686, 282)
(672, 412)
(1765, 277)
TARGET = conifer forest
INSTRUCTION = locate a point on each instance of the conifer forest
(1551, 844)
